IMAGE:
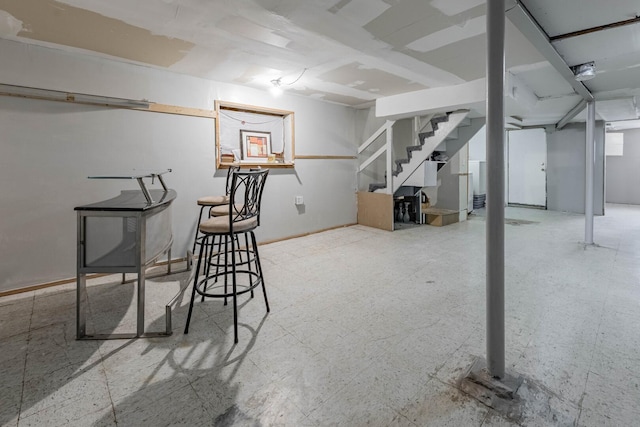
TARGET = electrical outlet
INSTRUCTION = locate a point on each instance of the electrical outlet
(299, 200)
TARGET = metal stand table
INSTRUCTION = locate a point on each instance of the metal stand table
(125, 234)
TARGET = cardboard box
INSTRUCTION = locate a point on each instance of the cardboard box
(439, 217)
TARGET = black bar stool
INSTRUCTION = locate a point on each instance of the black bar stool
(242, 219)
(211, 201)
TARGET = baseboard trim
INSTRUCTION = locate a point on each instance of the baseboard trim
(66, 281)
(94, 276)
(522, 205)
(295, 236)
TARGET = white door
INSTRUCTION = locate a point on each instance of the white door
(527, 167)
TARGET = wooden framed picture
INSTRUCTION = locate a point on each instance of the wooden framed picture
(255, 145)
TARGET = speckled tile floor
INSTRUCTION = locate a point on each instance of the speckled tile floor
(367, 328)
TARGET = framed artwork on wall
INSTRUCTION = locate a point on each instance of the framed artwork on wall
(267, 136)
(255, 145)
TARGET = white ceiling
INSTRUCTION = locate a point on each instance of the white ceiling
(348, 51)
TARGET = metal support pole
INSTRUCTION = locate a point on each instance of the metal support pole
(495, 188)
(389, 144)
(589, 167)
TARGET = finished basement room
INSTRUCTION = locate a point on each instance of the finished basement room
(319, 213)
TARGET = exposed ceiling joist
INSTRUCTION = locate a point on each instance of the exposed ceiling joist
(528, 26)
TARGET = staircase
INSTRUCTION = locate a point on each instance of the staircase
(429, 132)
(418, 138)
(422, 138)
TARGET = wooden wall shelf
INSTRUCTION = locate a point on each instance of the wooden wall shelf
(235, 121)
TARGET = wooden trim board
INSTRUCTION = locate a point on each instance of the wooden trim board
(183, 111)
(66, 281)
(320, 157)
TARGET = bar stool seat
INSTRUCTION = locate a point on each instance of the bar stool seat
(212, 201)
(220, 224)
(220, 210)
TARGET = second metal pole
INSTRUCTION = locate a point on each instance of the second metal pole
(589, 167)
(495, 187)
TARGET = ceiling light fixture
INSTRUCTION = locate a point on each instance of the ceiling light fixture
(276, 84)
(585, 71)
(276, 90)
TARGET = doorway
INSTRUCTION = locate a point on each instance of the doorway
(527, 168)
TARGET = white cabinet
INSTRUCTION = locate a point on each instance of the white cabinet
(425, 176)
(478, 168)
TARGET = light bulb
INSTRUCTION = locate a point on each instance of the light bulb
(275, 90)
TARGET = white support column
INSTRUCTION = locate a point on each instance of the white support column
(389, 135)
(589, 168)
(495, 187)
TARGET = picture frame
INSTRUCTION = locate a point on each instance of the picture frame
(255, 145)
(233, 117)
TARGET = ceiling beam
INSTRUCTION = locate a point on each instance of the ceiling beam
(434, 100)
(529, 27)
(571, 114)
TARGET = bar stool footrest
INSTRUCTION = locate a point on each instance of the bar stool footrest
(213, 281)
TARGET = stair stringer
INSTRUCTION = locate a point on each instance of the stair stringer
(430, 143)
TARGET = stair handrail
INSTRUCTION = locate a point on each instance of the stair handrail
(373, 157)
(386, 126)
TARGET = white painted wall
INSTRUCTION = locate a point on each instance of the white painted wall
(566, 169)
(47, 149)
(623, 173)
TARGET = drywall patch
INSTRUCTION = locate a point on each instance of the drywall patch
(344, 99)
(336, 7)
(451, 8)
(331, 97)
(470, 28)
(408, 21)
(54, 22)
(362, 12)
(253, 72)
(467, 58)
(373, 80)
(243, 27)
(9, 26)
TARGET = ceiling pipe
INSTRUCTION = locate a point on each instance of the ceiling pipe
(529, 27)
(596, 29)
